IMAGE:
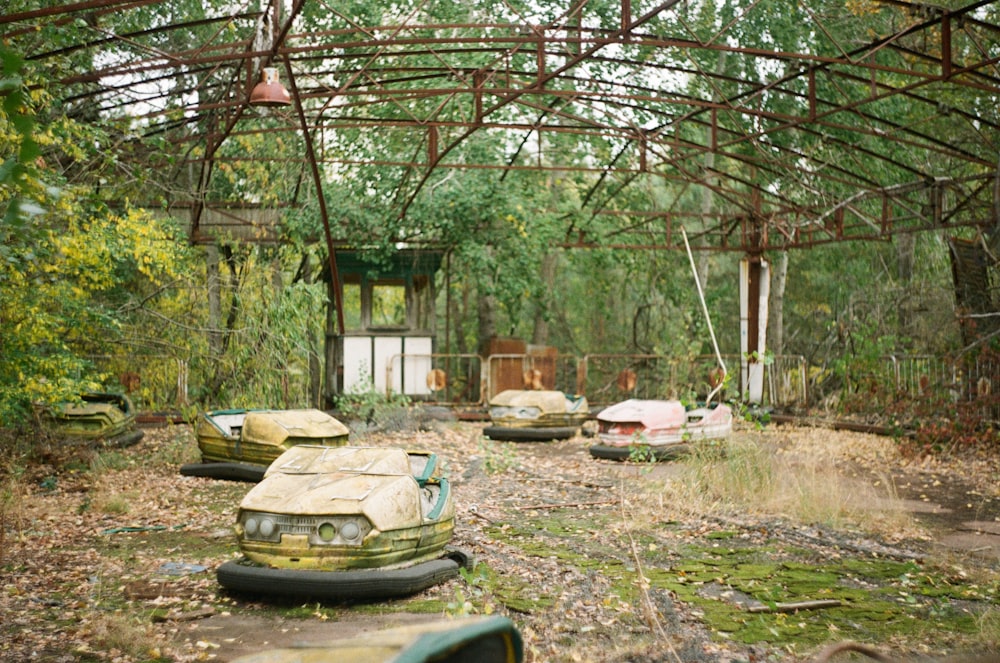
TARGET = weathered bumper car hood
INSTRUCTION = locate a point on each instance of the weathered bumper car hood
(385, 499)
(279, 427)
(649, 414)
(520, 408)
(232, 441)
(312, 459)
(548, 402)
(370, 481)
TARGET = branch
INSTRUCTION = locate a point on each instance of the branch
(565, 504)
(795, 607)
(649, 608)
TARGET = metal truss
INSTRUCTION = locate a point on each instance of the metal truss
(756, 125)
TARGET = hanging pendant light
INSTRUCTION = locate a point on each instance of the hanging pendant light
(269, 92)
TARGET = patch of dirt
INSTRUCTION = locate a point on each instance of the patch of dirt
(956, 499)
(74, 574)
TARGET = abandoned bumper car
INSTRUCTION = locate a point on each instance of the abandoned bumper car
(98, 418)
(489, 639)
(518, 415)
(345, 523)
(240, 444)
(657, 429)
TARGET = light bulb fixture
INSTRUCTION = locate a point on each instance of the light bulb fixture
(269, 92)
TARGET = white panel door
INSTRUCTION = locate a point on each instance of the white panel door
(357, 363)
(386, 347)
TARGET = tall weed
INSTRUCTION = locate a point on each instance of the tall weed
(14, 488)
(746, 475)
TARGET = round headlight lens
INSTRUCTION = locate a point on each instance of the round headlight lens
(267, 528)
(251, 526)
(327, 531)
(350, 531)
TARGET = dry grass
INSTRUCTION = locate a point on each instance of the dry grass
(12, 493)
(120, 634)
(989, 628)
(801, 480)
(107, 500)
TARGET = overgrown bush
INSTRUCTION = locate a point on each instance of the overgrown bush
(367, 404)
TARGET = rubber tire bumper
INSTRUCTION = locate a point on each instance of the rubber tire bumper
(354, 584)
(126, 439)
(607, 452)
(544, 434)
(228, 471)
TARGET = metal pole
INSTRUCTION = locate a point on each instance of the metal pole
(318, 181)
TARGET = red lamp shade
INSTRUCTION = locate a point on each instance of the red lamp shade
(269, 92)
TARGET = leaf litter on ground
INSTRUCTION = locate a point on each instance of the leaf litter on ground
(561, 534)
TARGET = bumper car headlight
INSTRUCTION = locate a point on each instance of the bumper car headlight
(321, 530)
(340, 531)
(350, 531)
(327, 532)
(260, 526)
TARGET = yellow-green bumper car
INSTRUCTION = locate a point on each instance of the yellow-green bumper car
(99, 417)
(345, 523)
(240, 444)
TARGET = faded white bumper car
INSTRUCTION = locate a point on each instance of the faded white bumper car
(657, 429)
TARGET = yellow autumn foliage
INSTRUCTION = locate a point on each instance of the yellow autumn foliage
(58, 302)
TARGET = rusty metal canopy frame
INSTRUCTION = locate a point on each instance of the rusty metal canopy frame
(773, 123)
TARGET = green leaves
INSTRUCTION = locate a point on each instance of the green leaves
(68, 265)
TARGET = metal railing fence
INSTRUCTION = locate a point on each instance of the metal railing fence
(164, 383)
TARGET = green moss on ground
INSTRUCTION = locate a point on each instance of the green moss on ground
(879, 599)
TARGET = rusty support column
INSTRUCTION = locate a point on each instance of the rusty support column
(324, 217)
(886, 216)
(576, 21)
(715, 130)
(432, 144)
(754, 291)
(873, 81)
(477, 84)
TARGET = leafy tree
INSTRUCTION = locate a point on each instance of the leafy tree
(273, 313)
(70, 265)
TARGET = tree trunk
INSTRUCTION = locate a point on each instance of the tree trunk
(776, 325)
(540, 333)
(315, 372)
(214, 300)
(330, 388)
(905, 248)
(706, 210)
(460, 312)
(487, 309)
(224, 330)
